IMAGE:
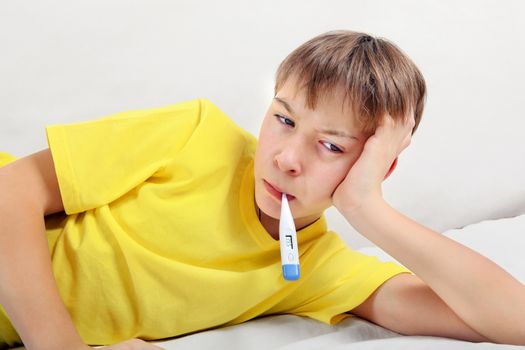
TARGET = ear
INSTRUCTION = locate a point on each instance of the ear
(392, 167)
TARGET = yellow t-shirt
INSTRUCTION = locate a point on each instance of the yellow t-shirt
(161, 236)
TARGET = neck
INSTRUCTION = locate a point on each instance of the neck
(270, 224)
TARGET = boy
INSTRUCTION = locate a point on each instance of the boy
(172, 217)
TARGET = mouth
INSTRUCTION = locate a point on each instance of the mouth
(276, 192)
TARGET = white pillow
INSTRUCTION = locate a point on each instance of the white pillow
(501, 240)
(466, 164)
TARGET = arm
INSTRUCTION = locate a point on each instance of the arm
(27, 287)
(407, 305)
(28, 291)
(485, 298)
(483, 295)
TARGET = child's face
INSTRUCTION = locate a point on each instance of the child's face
(305, 153)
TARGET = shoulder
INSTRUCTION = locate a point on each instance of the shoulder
(31, 181)
(210, 112)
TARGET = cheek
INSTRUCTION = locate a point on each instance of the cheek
(267, 139)
(264, 151)
(330, 177)
(333, 178)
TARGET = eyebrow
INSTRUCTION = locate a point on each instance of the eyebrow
(332, 132)
(285, 104)
(338, 133)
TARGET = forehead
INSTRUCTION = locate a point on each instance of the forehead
(329, 98)
(332, 107)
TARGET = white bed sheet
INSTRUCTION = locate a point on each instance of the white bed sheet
(287, 332)
(501, 240)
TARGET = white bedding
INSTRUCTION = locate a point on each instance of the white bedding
(287, 332)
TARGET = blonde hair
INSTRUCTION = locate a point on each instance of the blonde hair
(376, 75)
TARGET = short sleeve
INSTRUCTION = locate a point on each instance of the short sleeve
(98, 161)
(340, 280)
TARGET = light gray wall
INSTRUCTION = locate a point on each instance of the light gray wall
(62, 61)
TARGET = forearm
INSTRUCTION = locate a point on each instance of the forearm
(28, 290)
(485, 296)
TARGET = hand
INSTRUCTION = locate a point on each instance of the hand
(131, 344)
(363, 181)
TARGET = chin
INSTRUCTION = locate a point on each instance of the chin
(267, 204)
(270, 209)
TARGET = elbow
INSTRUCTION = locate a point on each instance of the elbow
(517, 338)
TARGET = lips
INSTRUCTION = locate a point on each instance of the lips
(276, 192)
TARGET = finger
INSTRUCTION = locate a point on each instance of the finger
(133, 344)
(411, 121)
(388, 123)
(143, 345)
(386, 126)
(406, 142)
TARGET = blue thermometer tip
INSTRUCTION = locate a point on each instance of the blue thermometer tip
(291, 272)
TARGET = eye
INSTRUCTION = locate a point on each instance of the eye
(285, 120)
(331, 147)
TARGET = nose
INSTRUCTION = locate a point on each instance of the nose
(290, 158)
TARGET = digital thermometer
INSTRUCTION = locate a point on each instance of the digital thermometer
(288, 241)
